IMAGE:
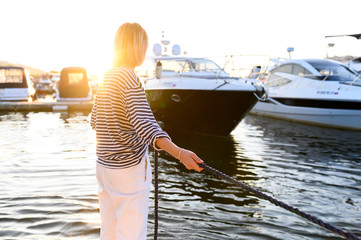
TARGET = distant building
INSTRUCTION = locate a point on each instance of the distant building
(342, 58)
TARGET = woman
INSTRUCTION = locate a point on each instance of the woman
(125, 126)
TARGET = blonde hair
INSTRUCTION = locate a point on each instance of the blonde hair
(130, 45)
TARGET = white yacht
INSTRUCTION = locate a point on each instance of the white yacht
(196, 95)
(314, 91)
(15, 84)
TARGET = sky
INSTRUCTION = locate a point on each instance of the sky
(52, 34)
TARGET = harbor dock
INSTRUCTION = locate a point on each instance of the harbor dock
(39, 106)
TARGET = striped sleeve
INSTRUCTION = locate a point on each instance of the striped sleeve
(141, 117)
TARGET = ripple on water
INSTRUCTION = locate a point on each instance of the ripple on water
(48, 188)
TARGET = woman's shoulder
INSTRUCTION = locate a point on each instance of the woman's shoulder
(125, 76)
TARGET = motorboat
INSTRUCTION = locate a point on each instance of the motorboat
(73, 85)
(196, 95)
(15, 84)
(44, 86)
(313, 91)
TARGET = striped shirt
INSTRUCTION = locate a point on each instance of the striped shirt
(123, 120)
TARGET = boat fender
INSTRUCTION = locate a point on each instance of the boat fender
(158, 70)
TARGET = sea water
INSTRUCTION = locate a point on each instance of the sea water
(48, 188)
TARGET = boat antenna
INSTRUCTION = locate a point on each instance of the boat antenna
(289, 50)
(329, 47)
(165, 43)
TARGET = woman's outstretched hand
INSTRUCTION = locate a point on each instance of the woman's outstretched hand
(190, 160)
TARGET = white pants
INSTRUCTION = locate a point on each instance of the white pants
(124, 201)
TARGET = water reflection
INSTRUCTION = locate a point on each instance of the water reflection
(47, 167)
(221, 153)
(310, 141)
(316, 168)
(48, 189)
(13, 116)
(73, 116)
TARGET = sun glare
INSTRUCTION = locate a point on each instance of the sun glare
(54, 35)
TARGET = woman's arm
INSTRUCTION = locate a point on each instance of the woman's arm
(141, 117)
(189, 159)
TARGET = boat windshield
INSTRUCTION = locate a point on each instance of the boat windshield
(12, 75)
(190, 65)
(75, 78)
(333, 71)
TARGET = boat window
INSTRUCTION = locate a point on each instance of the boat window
(190, 65)
(203, 65)
(280, 76)
(11, 75)
(332, 71)
(177, 66)
(357, 60)
(174, 66)
(75, 78)
(276, 80)
(300, 71)
(287, 68)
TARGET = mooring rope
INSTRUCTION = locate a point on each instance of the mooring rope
(155, 194)
(259, 194)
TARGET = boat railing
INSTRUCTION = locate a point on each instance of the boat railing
(350, 83)
(354, 81)
(322, 82)
(242, 66)
(228, 66)
(276, 81)
(202, 73)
